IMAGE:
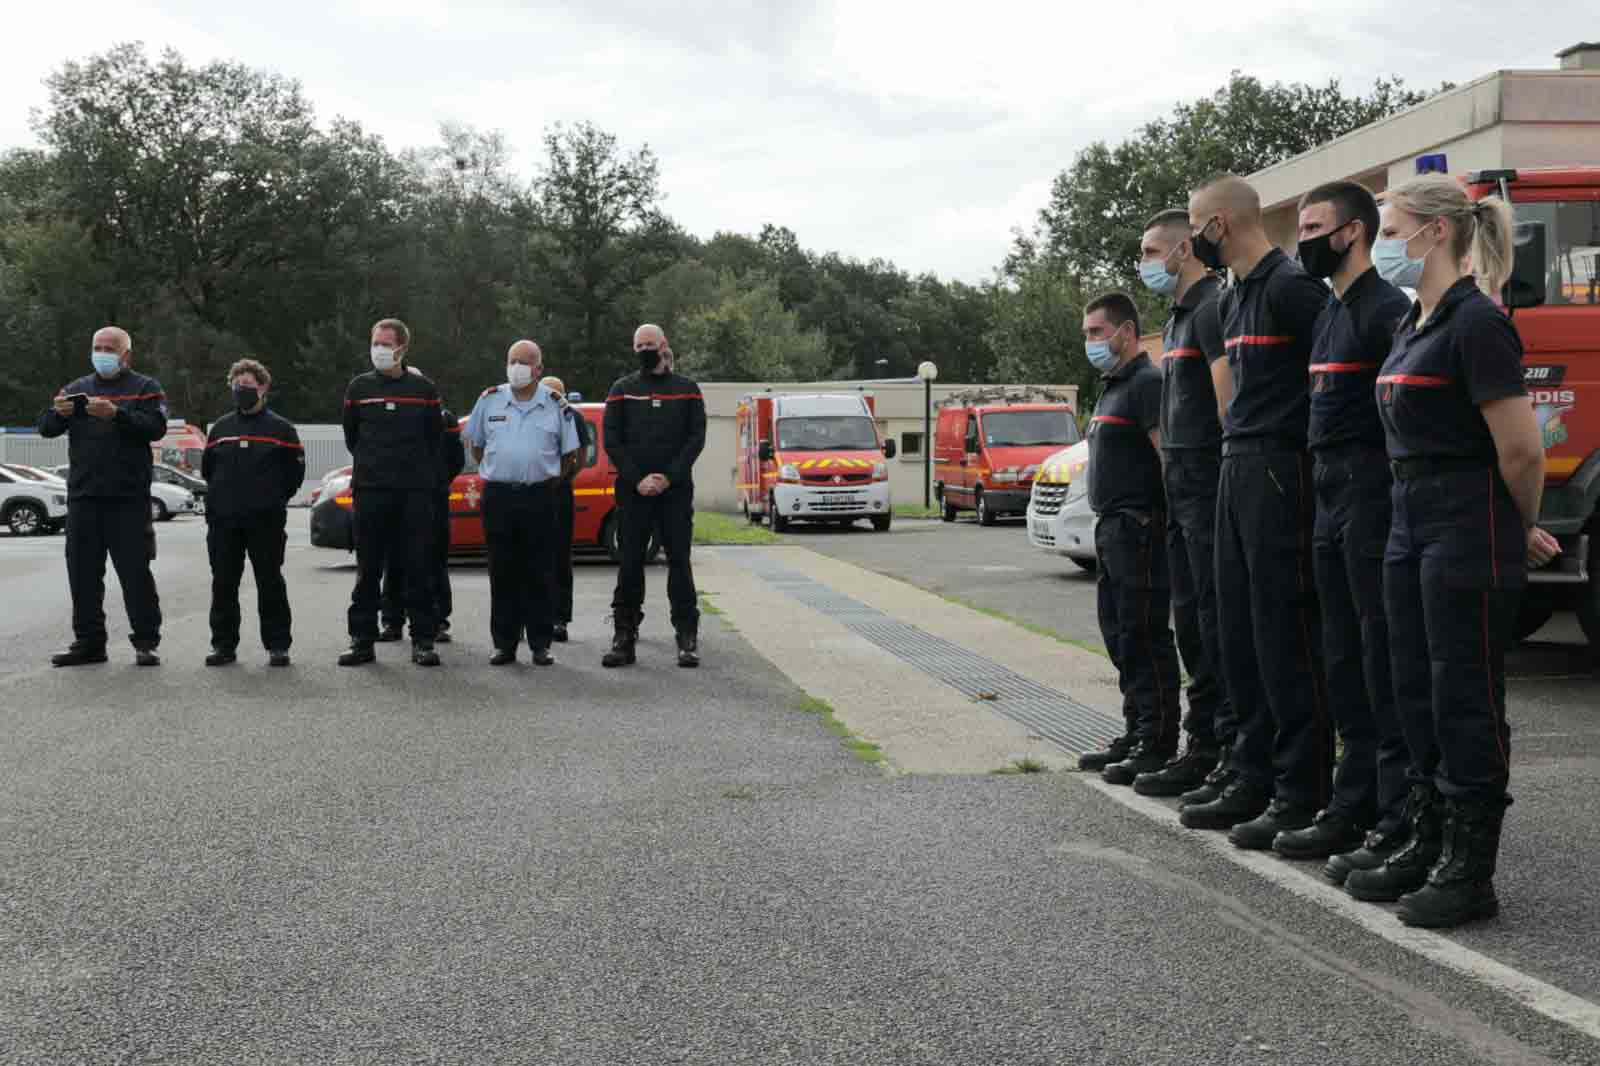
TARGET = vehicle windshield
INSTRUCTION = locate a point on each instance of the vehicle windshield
(1017, 429)
(826, 433)
(1571, 248)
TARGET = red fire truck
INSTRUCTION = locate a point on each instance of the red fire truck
(1554, 300)
(812, 458)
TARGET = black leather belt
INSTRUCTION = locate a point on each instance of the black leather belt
(522, 486)
(1429, 465)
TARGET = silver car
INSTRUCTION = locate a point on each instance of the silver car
(1060, 520)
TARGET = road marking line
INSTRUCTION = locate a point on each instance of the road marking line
(1539, 996)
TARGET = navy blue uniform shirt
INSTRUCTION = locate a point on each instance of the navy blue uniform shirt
(654, 424)
(1124, 469)
(1193, 341)
(1268, 318)
(253, 465)
(392, 428)
(1437, 377)
(1353, 335)
(111, 457)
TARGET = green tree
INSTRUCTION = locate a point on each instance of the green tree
(1036, 336)
(745, 334)
(1099, 204)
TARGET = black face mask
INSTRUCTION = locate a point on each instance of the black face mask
(1318, 256)
(245, 397)
(649, 358)
(1208, 251)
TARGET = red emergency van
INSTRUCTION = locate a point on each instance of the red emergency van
(988, 444)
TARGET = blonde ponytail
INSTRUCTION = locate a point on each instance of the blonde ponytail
(1482, 230)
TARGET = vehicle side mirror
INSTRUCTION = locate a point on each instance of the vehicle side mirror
(765, 451)
(888, 449)
(1527, 285)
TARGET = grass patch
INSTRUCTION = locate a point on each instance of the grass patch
(1043, 631)
(707, 607)
(915, 510)
(711, 527)
(864, 750)
(1025, 765)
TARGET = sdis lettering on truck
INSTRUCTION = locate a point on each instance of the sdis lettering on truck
(812, 458)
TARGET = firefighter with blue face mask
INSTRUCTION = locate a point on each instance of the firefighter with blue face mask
(1468, 466)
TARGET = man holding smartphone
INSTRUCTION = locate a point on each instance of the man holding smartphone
(111, 418)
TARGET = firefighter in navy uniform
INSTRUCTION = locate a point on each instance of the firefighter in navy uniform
(1350, 475)
(1193, 375)
(111, 418)
(253, 465)
(452, 460)
(655, 428)
(566, 511)
(1126, 495)
(392, 426)
(1267, 610)
(1468, 466)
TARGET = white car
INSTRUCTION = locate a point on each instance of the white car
(166, 501)
(31, 502)
(1059, 518)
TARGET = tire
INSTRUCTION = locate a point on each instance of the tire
(1531, 617)
(880, 522)
(1088, 566)
(947, 513)
(986, 517)
(753, 517)
(158, 511)
(27, 519)
(775, 521)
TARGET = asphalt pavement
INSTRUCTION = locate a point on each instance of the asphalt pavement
(573, 865)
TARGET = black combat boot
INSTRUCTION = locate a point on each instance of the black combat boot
(688, 648)
(360, 653)
(146, 657)
(1460, 886)
(624, 638)
(422, 653)
(1239, 802)
(1188, 771)
(1373, 853)
(1216, 782)
(1281, 816)
(222, 657)
(391, 632)
(559, 633)
(1115, 751)
(1407, 869)
(79, 655)
(441, 634)
(1145, 758)
(1330, 834)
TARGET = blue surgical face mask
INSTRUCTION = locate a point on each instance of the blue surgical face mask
(1100, 355)
(1395, 265)
(106, 364)
(1153, 272)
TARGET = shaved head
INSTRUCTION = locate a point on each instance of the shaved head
(1230, 196)
(649, 336)
(526, 352)
(112, 339)
(554, 384)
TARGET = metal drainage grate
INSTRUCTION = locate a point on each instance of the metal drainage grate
(1046, 712)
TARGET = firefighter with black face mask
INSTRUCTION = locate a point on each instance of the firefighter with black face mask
(254, 464)
(655, 428)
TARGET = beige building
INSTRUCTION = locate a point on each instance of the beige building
(899, 404)
(1508, 119)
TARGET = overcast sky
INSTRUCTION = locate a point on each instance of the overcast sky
(918, 131)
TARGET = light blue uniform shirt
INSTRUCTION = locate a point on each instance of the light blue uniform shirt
(522, 441)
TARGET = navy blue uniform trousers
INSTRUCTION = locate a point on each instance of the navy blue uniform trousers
(1268, 616)
(118, 526)
(1353, 486)
(1453, 573)
(393, 523)
(1191, 476)
(261, 538)
(1134, 594)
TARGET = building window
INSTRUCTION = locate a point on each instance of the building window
(911, 445)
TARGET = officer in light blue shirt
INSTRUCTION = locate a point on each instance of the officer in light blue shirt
(523, 445)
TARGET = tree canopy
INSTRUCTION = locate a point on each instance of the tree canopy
(209, 210)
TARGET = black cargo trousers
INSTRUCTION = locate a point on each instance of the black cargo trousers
(1191, 476)
(261, 538)
(396, 523)
(1134, 592)
(394, 580)
(118, 526)
(1268, 617)
(639, 516)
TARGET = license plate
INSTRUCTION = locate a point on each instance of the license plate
(1040, 529)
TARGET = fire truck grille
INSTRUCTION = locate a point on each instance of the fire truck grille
(827, 479)
(1047, 499)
